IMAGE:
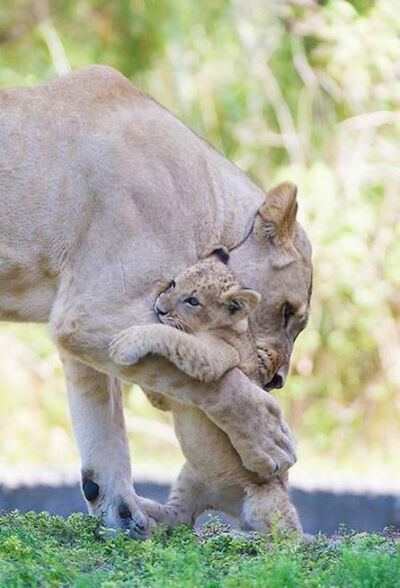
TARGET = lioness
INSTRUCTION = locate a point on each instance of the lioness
(205, 314)
(104, 196)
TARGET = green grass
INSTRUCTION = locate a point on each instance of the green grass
(43, 550)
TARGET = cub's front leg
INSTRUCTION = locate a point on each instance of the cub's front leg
(132, 344)
(206, 361)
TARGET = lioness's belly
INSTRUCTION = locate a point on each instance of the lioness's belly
(27, 291)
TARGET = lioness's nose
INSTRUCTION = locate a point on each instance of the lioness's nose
(275, 382)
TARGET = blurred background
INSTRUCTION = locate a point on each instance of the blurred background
(300, 90)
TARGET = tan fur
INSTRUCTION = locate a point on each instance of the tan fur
(205, 341)
(104, 196)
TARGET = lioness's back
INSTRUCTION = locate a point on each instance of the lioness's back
(90, 155)
(97, 85)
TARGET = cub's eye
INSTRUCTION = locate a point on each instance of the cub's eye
(192, 301)
(171, 285)
(288, 311)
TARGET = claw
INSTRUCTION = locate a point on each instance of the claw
(134, 521)
(124, 511)
(140, 527)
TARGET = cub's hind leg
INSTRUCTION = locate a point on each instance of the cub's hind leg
(187, 500)
(268, 504)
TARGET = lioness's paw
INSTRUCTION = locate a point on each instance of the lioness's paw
(122, 511)
(127, 348)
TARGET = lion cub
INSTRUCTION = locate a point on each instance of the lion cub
(204, 333)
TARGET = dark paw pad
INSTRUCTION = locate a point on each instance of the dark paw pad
(91, 490)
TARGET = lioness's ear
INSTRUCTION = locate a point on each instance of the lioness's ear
(241, 302)
(276, 221)
(278, 212)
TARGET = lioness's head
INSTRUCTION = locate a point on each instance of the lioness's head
(206, 296)
(275, 259)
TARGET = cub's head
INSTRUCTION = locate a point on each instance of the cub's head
(206, 296)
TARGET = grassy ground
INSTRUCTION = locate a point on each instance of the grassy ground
(41, 550)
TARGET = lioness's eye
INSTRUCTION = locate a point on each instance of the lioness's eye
(288, 312)
(192, 301)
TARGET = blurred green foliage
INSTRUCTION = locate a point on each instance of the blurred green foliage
(295, 90)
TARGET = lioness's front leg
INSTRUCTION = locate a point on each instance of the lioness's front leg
(204, 361)
(98, 422)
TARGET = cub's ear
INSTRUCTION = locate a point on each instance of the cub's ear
(219, 251)
(222, 254)
(240, 302)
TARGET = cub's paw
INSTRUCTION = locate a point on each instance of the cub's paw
(199, 369)
(128, 347)
(202, 373)
(159, 513)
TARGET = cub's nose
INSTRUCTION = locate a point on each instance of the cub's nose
(275, 382)
(158, 311)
